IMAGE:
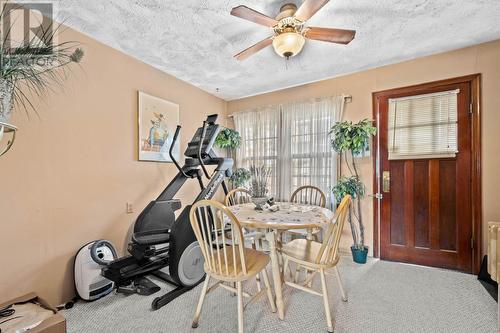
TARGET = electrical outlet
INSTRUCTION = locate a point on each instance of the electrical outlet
(130, 208)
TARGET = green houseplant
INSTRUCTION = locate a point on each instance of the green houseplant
(240, 177)
(32, 68)
(230, 139)
(356, 189)
(352, 140)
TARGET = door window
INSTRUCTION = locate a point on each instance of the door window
(423, 126)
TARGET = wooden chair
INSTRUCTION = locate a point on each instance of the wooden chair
(238, 196)
(319, 257)
(307, 195)
(226, 259)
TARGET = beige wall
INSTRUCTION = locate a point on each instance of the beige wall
(482, 59)
(69, 175)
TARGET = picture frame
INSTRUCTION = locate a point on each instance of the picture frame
(157, 121)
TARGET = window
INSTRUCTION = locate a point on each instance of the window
(293, 140)
(313, 162)
(423, 126)
(260, 140)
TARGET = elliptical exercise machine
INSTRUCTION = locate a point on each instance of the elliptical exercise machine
(159, 239)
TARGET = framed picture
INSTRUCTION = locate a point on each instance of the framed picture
(157, 120)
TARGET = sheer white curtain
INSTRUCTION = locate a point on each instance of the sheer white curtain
(293, 140)
(259, 129)
(307, 158)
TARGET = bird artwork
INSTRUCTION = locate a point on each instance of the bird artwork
(158, 120)
(158, 133)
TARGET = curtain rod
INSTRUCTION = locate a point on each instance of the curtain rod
(347, 99)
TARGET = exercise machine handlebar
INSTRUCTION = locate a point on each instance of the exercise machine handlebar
(200, 158)
(170, 151)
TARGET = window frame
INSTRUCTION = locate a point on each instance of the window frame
(279, 161)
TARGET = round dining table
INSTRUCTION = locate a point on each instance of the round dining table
(288, 216)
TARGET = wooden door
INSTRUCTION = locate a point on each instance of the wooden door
(426, 210)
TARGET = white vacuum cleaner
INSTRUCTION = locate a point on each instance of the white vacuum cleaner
(90, 284)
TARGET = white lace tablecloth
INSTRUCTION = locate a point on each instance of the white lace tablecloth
(289, 216)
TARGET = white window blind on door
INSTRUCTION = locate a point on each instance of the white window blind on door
(423, 126)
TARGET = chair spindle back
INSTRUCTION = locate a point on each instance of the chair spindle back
(309, 195)
(331, 239)
(238, 196)
(220, 237)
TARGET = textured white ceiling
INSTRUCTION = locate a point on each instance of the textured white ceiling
(195, 40)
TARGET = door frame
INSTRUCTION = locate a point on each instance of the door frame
(476, 187)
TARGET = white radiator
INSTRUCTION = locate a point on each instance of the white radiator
(494, 250)
(494, 257)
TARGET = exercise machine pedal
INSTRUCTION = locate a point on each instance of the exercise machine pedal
(142, 286)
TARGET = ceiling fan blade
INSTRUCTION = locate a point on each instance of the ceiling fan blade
(339, 36)
(254, 48)
(309, 8)
(254, 16)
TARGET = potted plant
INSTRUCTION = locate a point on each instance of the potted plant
(230, 139)
(31, 68)
(240, 177)
(259, 185)
(355, 188)
(352, 140)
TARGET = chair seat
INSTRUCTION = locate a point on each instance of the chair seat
(249, 233)
(255, 261)
(303, 232)
(305, 252)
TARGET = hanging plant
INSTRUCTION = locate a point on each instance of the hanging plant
(30, 69)
(352, 140)
(228, 138)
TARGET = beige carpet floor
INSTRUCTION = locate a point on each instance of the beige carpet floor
(383, 297)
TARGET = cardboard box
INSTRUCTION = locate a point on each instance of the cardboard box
(53, 324)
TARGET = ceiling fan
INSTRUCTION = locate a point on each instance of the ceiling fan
(289, 28)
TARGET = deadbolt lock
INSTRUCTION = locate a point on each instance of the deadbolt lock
(386, 181)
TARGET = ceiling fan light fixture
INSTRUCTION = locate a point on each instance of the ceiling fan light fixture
(288, 44)
(290, 29)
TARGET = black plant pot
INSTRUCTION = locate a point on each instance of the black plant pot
(359, 255)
